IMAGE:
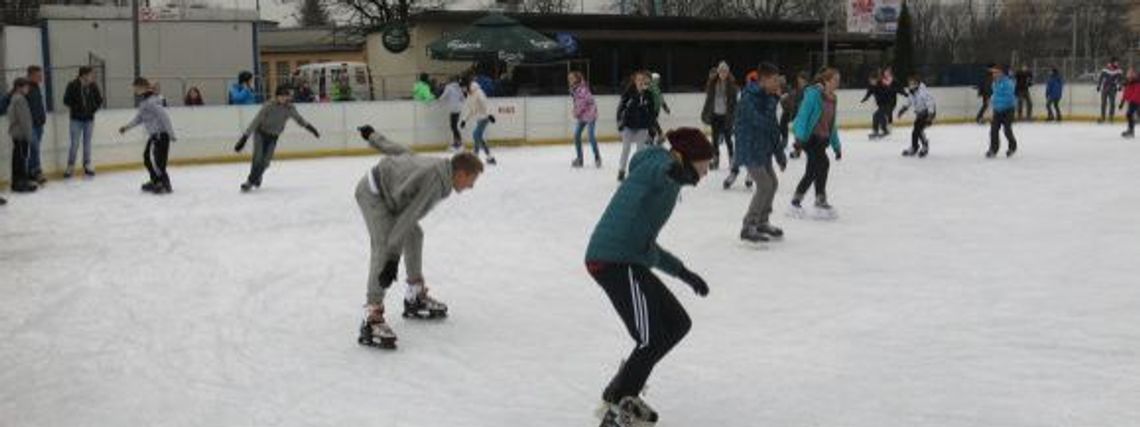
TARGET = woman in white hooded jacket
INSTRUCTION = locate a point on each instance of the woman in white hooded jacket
(476, 109)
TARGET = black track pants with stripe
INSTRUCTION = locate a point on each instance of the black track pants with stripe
(652, 315)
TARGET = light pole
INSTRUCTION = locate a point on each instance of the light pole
(826, 29)
(135, 36)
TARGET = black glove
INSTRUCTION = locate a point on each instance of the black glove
(902, 111)
(388, 274)
(694, 281)
(782, 160)
(313, 130)
(463, 124)
(838, 155)
(366, 131)
(241, 143)
(491, 118)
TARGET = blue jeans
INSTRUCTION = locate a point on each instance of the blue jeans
(480, 141)
(593, 139)
(80, 131)
(34, 166)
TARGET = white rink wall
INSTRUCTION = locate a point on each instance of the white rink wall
(207, 134)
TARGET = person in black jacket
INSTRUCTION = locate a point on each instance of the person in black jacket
(985, 91)
(1024, 101)
(39, 119)
(83, 98)
(636, 115)
(885, 102)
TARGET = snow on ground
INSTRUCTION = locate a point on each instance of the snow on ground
(954, 291)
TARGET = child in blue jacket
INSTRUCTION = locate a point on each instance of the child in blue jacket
(1004, 103)
(816, 128)
(1053, 90)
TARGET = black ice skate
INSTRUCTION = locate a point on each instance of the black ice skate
(491, 161)
(909, 152)
(621, 176)
(375, 332)
(752, 233)
(149, 187)
(991, 154)
(923, 152)
(424, 307)
(771, 231)
(730, 180)
(576, 164)
(1128, 134)
(245, 187)
(598, 162)
(1011, 152)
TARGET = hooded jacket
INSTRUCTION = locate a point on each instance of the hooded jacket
(758, 136)
(409, 186)
(627, 232)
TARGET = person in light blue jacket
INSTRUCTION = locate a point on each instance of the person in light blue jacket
(241, 93)
(1004, 103)
(1053, 90)
(815, 129)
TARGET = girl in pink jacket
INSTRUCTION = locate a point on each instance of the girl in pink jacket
(586, 112)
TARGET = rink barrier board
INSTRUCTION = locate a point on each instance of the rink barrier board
(206, 134)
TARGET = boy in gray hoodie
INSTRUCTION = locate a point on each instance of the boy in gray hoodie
(20, 128)
(152, 115)
(266, 128)
(393, 196)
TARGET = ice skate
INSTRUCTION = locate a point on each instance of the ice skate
(149, 187)
(491, 161)
(1010, 152)
(88, 173)
(621, 175)
(163, 188)
(923, 152)
(991, 154)
(875, 135)
(909, 152)
(1128, 134)
(632, 411)
(598, 162)
(730, 180)
(68, 172)
(246, 187)
(823, 210)
(576, 164)
(796, 210)
(375, 332)
(424, 307)
(751, 233)
(771, 231)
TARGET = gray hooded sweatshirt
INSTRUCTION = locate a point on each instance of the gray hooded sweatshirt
(409, 186)
(153, 117)
(20, 118)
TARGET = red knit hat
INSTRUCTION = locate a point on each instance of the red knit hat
(693, 145)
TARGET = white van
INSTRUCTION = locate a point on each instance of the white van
(337, 81)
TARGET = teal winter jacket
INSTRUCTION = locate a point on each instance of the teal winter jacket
(627, 232)
(808, 117)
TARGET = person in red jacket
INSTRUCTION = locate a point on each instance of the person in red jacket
(1132, 97)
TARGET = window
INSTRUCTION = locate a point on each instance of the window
(283, 70)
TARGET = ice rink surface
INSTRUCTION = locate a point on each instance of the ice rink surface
(953, 291)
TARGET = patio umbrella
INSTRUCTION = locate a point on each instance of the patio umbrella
(497, 37)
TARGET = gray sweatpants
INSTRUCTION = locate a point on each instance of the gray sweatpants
(761, 207)
(380, 221)
(630, 137)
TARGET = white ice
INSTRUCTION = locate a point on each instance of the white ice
(954, 291)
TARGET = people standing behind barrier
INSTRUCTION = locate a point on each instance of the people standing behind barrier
(1110, 81)
(342, 90)
(39, 119)
(193, 98)
(83, 99)
(422, 89)
(241, 93)
(304, 94)
(1053, 92)
(985, 91)
(586, 116)
(453, 99)
(719, 109)
(21, 128)
(1024, 79)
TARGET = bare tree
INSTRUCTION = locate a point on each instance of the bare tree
(547, 6)
(19, 12)
(371, 15)
(312, 13)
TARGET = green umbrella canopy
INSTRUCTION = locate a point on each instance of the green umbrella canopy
(496, 37)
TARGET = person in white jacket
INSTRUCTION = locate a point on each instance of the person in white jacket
(476, 109)
(923, 104)
(453, 99)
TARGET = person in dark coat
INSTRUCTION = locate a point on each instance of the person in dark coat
(1053, 91)
(719, 110)
(885, 101)
(36, 103)
(83, 98)
(985, 91)
(1024, 80)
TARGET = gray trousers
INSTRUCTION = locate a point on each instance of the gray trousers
(1108, 102)
(380, 221)
(630, 137)
(766, 183)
